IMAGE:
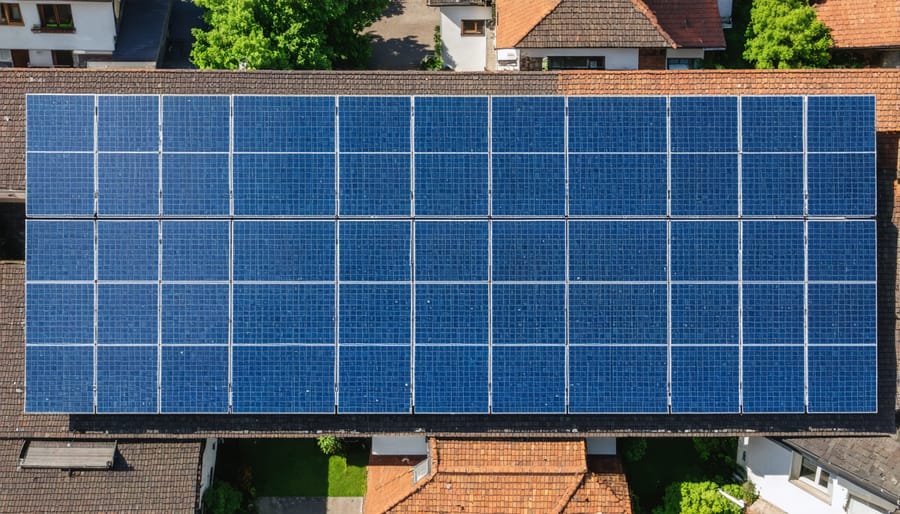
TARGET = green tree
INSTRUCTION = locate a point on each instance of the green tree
(695, 498)
(285, 34)
(786, 34)
(221, 498)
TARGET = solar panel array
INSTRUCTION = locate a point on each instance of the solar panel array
(252, 254)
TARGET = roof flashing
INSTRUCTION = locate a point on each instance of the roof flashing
(67, 455)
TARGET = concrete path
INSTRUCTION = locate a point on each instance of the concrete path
(317, 505)
(403, 36)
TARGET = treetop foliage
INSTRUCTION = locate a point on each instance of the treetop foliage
(786, 34)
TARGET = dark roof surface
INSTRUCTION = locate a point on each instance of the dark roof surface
(146, 477)
(690, 23)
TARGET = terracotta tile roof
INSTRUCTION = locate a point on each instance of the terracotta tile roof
(146, 477)
(861, 23)
(690, 23)
(516, 18)
(509, 476)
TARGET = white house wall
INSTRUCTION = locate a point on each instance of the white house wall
(463, 53)
(616, 58)
(208, 464)
(399, 445)
(95, 30)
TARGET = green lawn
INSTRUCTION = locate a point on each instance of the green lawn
(292, 467)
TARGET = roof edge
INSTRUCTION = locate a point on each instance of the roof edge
(644, 9)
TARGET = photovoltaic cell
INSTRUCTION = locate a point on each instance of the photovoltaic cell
(842, 379)
(194, 314)
(772, 184)
(841, 124)
(705, 314)
(529, 314)
(842, 250)
(127, 313)
(617, 124)
(451, 124)
(283, 314)
(128, 123)
(128, 184)
(773, 314)
(283, 379)
(704, 250)
(375, 314)
(705, 379)
(773, 379)
(195, 250)
(452, 313)
(617, 185)
(374, 379)
(375, 184)
(195, 185)
(375, 250)
(59, 379)
(773, 250)
(195, 123)
(703, 123)
(195, 379)
(451, 379)
(284, 123)
(449, 250)
(127, 379)
(451, 184)
(529, 250)
(841, 184)
(772, 123)
(284, 184)
(128, 250)
(528, 379)
(842, 314)
(60, 123)
(59, 313)
(283, 250)
(59, 250)
(374, 124)
(528, 124)
(60, 184)
(616, 379)
(704, 185)
(529, 184)
(617, 314)
(617, 250)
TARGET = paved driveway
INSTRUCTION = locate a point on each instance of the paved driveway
(403, 36)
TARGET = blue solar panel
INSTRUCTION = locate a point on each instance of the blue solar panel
(374, 379)
(841, 124)
(128, 184)
(704, 314)
(447, 250)
(617, 314)
(704, 185)
(451, 379)
(127, 379)
(773, 250)
(529, 184)
(773, 313)
(283, 314)
(604, 379)
(375, 184)
(283, 250)
(617, 124)
(451, 184)
(60, 123)
(705, 379)
(283, 379)
(451, 124)
(617, 185)
(195, 123)
(195, 184)
(528, 124)
(127, 313)
(772, 184)
(284, 124)
(375, 250)
(704, 124)
(128, 250)
(529, 250)
(842, 250)
(617, 250)
(529, 314)
(60, 250)
(374, 124)
(59, 379)
(452, 313)
(60, 184)
(773, 379)
(375, 314)
(194, 314)
(772, 123)
(59, 313)
(528, 379)
(842, 314)
(195, 250)
(704, 250)
(841, 184)
(842, 379)
(284, 185)
(195, 379)
(128, 123)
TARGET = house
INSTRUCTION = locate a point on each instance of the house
(579, 34)
(496, 475)
(866, 29)
(83, 33)
(851, 475)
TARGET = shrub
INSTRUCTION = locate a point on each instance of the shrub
(222, 498)
(634, 449)
(695, 498)
(435, 62)
(330, 445)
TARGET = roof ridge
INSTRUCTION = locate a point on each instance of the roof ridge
(569, 493)
(501, 8)
(432, 472)
(544, 17)
(645, 9)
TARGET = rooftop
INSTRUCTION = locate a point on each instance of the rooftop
(860, 24)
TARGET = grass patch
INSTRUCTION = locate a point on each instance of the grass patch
(292, 467)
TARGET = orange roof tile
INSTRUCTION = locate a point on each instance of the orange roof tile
(862, 23)
(516, 18)
(689, 23)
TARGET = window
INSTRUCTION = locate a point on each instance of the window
(809, 476)
(576, 63)
(10, 14)
(684, 64)
(63, 59)
(56, 16)
(473, 27)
